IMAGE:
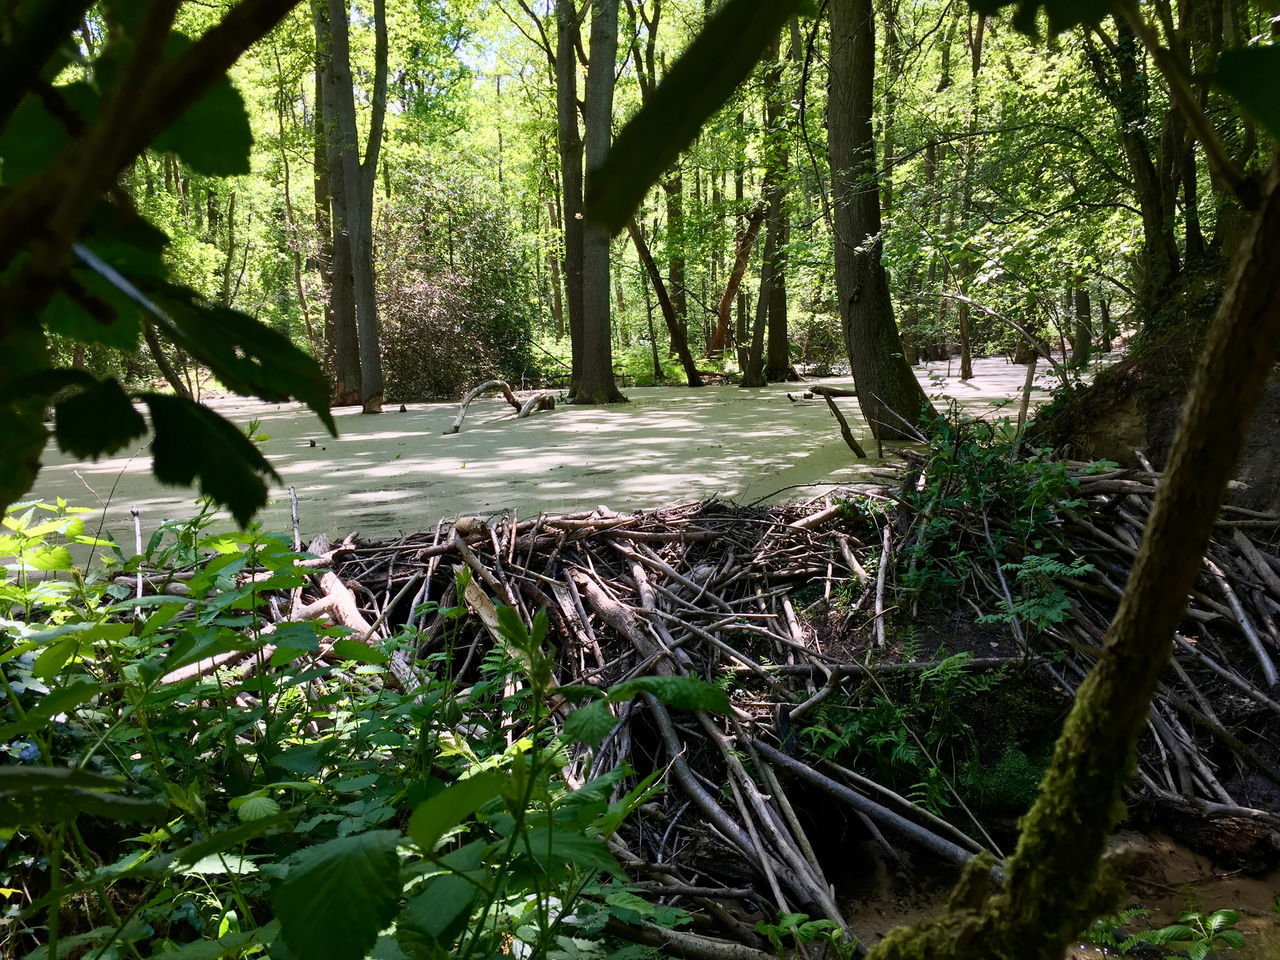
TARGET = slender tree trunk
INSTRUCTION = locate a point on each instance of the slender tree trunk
(597, 384)
(1104, 312)
(888, 391)
(753, 370)
(166, 368)
(571, 150)
(676, 270)
(970, 156)
(741, 260)
(331, 203)
(777, 365)
(653, 334)
(295, 236)
(679, 341)
(231, 250)
(359, 179)
(553, 267)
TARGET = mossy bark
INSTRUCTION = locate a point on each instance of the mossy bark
(1055, 884)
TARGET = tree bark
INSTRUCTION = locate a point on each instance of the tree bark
(888, 391)
(359, 178)
(777, 364)
(976, 33)
(1156, 175)
(1083, 338)
(741, 260)
(753, 369)
(1052, 886)
(597, 384)
(332, 216)
(568, 38)
(679, 342)
(166, 368)
(677, 277)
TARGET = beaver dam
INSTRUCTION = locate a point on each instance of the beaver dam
(898, 660)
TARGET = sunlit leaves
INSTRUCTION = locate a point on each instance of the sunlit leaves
(701, 81)
(213, 137)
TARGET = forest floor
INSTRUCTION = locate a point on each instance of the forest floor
(398, 472)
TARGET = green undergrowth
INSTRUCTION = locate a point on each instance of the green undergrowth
(981, 559)
(297, 808)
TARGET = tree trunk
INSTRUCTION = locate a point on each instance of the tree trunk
(1083, 338)
(597, 384)
(1051, 891)
(777, 364)
(741, 260)
(676, 272)
(970, 154)
(679, 342)
(295, 242)
(1155, 177)
(888, 391)
(167, 369)
(557, 291)
(570, 144)
(1104, 309)
(359, 178)
(753, 370)
(331, 203)
(231, 250)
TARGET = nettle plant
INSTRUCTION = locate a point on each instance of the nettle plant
(293, 807)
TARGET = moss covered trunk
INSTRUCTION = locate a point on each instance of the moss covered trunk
(1053, 887)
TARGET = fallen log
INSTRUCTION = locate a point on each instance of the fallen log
(540, 400)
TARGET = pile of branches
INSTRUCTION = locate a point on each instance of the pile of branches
(750, 593)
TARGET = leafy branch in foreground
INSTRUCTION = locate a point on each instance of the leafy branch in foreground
(81, 263)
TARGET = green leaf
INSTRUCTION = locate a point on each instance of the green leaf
(434, 918)
(1251, 77)
(99, 419)
(704, 77)
(249, 357)
(46, 558)
(226, 839)
(135, 929)
(682, 693)
(33, 136)
(56, 794)
(193, 443)
(354, 881)
(359, 652)
(230, 945)
(257, 808)
(62, 699)
(590, 724)
(213, 136)
(218, 864)
(55, 657)
(433, 818)
(553, 846)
